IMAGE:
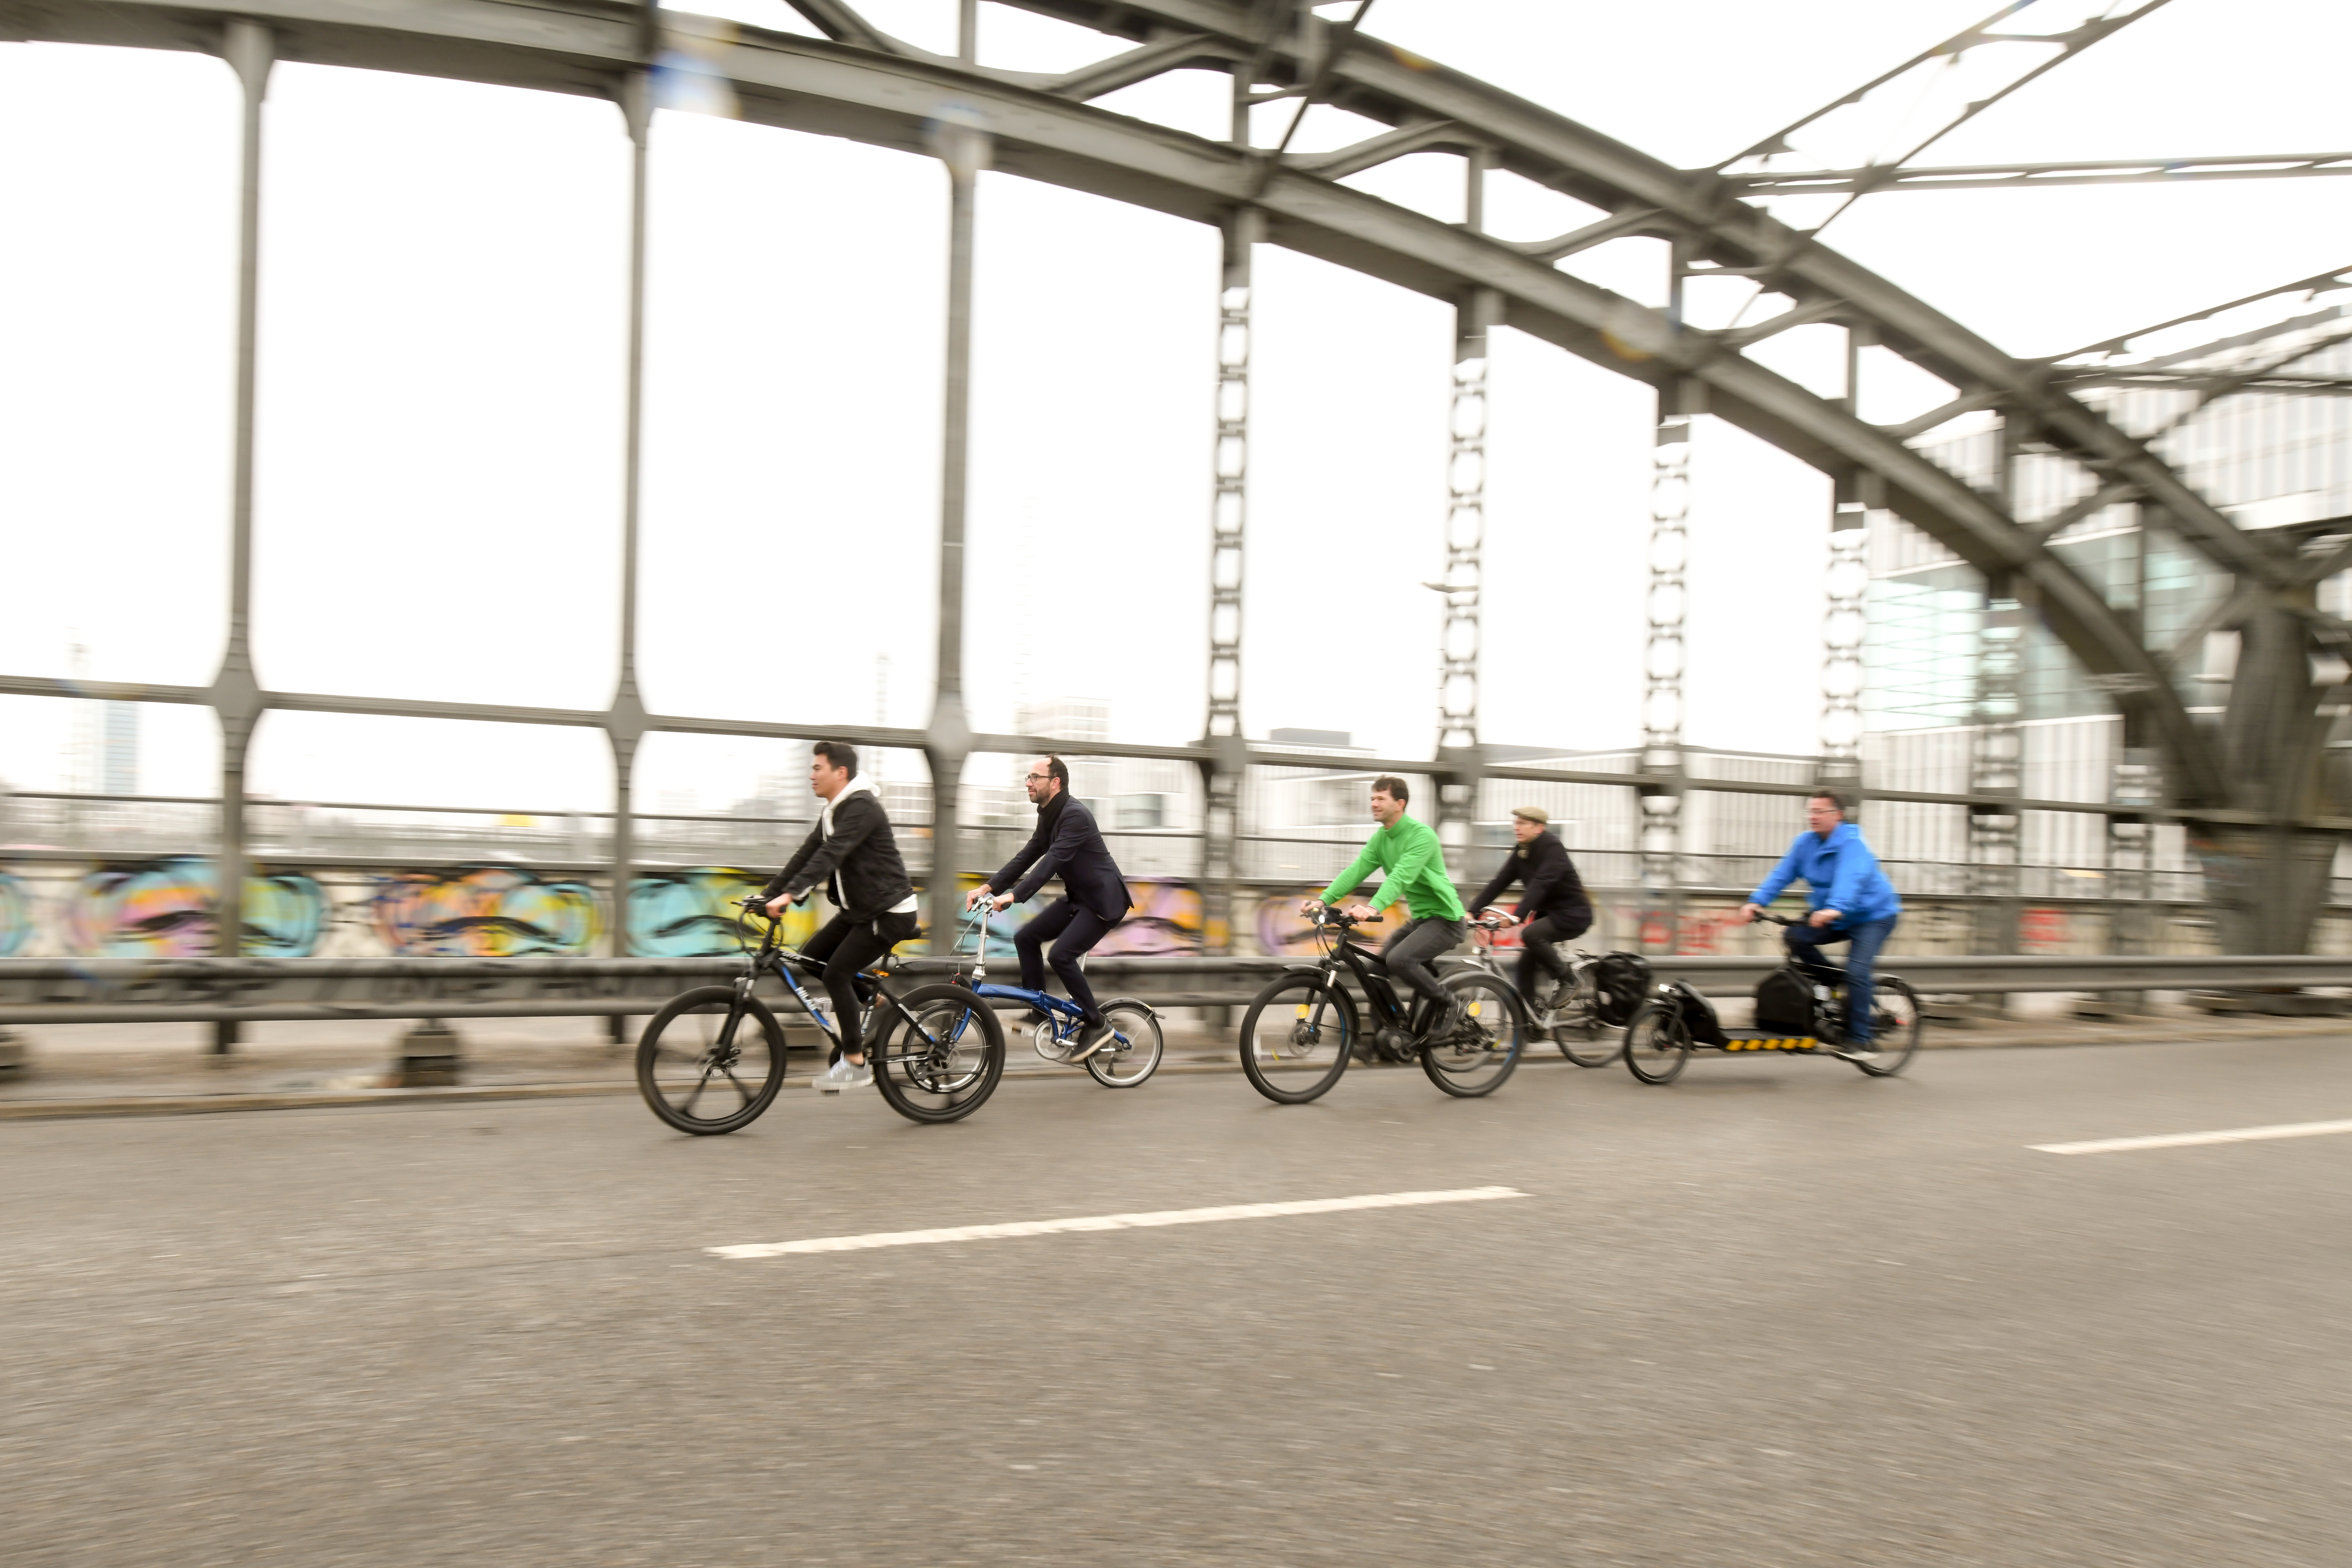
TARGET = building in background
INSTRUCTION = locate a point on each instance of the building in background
(2270, 459)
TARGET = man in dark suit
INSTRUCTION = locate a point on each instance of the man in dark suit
(1553, 901)
(1068, 844)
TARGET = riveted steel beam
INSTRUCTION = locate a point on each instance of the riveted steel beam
(884, 99)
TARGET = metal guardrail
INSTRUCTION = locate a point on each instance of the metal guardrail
(220, 990)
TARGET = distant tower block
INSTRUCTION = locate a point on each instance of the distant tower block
(118, 770)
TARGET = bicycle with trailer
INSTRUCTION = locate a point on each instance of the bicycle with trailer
(1601, 993)
(937, 1051)
(1301, 1031)
(1127, 1055)
(1795, 1011)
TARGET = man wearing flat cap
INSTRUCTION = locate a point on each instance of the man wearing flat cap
(1552, 905)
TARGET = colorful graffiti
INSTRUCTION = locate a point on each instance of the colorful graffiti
(163, 908)
(692, 914)
(1166, 921)
(16, 916)
(485, 912)
(1283, 931)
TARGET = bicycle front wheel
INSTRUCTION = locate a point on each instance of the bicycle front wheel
(1132, 1053)
(940, 1059)
(1297, 1038)
(711, 1061)
(1657, 1041)
(1481, 1050)
(1897, 1022)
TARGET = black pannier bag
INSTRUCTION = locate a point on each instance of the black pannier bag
(1784, 1005)
(1698, 1016)
(1620, 981)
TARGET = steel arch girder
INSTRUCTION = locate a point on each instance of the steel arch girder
(587, 46)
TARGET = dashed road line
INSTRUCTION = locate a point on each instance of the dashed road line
(2188, 1140)
(1110, 1222)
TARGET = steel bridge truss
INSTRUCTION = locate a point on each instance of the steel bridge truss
(858, 83)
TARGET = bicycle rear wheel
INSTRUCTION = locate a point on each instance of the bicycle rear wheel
(1480, 1053)
(710, 1062)
(944, 1063)
(1576, 1026)
(1132, 1054)
(1297, 1038)
(1657, 1041)
(1897, 1022)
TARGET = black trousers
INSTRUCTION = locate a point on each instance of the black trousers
(845, 946)
(1406, 955)
(1078, 929)
(1534, 945)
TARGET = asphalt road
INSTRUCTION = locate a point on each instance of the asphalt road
(1776, 1314)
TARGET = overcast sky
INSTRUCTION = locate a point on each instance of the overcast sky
(443, 286)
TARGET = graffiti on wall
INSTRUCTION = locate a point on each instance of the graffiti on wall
(1283, 931)
(485, 912)
(163, 908)
(16, 916)
(1165, 921)
(692, 914)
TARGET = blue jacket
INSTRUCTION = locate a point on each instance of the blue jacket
(1840, 873)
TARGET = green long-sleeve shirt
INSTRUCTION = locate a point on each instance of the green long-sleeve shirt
(1415, 863)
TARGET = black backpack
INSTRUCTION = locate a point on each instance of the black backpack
(1620, 981)
(1784, 1005)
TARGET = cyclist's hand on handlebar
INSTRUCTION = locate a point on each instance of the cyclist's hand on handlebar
(1311, 906)
(1750, 914)
(971, 899)
(1362, 912)
(777, 905)
(1001, 902)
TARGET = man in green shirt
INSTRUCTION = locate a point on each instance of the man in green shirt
(1414, 861)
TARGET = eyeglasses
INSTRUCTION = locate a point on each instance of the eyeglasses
(1038, 778)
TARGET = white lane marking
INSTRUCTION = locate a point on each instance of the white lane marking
(2184, 1140)
(1110, 1222)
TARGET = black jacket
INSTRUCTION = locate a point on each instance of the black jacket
(1068, 843)
(861, 857)
(1550, 884)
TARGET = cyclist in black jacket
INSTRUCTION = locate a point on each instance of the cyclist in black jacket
(851, 850)
(1551, 902)
(1067, 844)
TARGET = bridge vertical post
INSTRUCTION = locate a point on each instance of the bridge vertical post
(1996, 768)
(962, 145)
(1465, 535)
(1662, 770)
(1846, 615)
(625, 721)
(1221, 776)
(250, 50)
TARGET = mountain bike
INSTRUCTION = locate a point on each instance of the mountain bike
(1677, 1020)
(1301, 1031)
(1570, 1011)
(937, 1051)
(1129, 1056)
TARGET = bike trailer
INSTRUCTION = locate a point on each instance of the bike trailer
(1699, 1015)
(1784, 1005)
(1620, 982)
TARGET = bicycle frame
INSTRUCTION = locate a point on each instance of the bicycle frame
(1064, 1015)
(773, 956)
(1371, 975)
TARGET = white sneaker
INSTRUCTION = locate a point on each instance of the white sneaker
(844, 1074)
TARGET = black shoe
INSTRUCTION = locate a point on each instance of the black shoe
(1092, 1037)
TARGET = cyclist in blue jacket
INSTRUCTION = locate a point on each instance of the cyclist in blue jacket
(1852, 902)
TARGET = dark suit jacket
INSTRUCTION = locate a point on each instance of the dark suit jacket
(1072, 847)
(1551, 884)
